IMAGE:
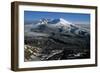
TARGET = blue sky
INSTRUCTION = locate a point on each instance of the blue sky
(76, 18)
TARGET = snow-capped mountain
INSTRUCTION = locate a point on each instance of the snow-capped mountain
(55, 23)
(57, 26)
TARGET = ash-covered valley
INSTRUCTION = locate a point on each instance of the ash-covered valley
(56, 39)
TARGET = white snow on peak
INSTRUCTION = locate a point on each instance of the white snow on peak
(65, 21)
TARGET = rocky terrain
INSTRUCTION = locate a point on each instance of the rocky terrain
(56, 39)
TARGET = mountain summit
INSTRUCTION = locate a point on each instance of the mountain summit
(58, 26)
(58, 23)
(65, 21)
